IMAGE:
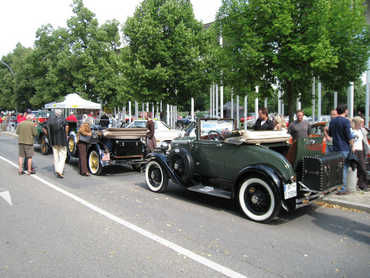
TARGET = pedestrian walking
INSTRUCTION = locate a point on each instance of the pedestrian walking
(150, 138)
(57, 129)
(263, 122)
(340, 131)
(26, 132)
(82, 137)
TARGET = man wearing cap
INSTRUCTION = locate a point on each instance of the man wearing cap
(26, 132)
(57, 129)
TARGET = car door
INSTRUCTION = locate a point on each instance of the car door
(209, 157)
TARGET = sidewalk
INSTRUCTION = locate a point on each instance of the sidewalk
(358, 200)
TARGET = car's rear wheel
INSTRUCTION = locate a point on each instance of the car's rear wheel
(93, 162)
(258, 199)
(156, 177)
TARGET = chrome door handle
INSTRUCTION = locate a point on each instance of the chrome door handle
(219, 145)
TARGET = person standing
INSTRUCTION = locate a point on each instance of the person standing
(329, 140)
(340, 131)
(360, 149)
(85, 130)
(300, 128)
(263, 122)
(26, 132)
(58, 130)
(104, 120)
(71, 118)
(150, 138)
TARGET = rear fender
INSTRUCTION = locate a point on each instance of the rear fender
(263, 170)
(162, 159)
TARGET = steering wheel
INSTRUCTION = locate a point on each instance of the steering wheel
(214, 135)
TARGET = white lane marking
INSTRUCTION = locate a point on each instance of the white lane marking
(177, 248)
(6, 196)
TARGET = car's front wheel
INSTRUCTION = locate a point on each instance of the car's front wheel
(258, 199)
(156, 177)
(93, 162)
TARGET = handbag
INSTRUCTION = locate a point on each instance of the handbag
(84, 138)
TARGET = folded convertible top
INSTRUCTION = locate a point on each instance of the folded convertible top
(124, 133)
(259, 137)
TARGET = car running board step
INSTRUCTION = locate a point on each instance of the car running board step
(209, 190)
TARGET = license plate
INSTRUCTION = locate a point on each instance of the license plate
(290, 190)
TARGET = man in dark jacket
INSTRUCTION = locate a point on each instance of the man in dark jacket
(104, 120)
(263, 122)
(340, 131)
(57, 129)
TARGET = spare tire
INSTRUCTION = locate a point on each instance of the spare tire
(182, 163)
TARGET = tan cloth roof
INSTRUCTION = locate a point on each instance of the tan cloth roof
(124, 133)
(259, 137)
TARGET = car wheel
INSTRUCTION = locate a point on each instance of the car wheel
(258, 200)
(156, 177)
(93, 162)
(71, 144)
(44, 146)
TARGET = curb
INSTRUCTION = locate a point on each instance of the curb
(347, 204)
(9, 133)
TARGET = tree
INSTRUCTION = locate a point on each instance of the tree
(287, 42)
(17, 86)
(166, 52)
(81, 58)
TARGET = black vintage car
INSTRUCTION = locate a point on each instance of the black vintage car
(249, 167)
(112, 146)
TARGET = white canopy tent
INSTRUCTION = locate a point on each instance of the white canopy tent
(73, 101)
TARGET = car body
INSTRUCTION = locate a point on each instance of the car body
(112, 146)
(162, 132)
(251, 167)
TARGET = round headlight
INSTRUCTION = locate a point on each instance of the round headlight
(164, 146)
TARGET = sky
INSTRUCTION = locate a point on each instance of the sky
(20, 19)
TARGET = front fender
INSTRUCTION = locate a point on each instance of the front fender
(263, 170)
(162, 159)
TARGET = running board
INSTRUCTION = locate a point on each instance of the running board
(209, 190)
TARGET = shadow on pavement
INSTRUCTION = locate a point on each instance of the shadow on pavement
(229, 206)
(342, 226)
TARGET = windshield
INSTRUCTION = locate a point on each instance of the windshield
(221, 126)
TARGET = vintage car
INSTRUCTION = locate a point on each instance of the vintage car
(258, 169)
(112, 146)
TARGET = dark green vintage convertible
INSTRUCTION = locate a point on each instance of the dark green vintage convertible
(261, 170)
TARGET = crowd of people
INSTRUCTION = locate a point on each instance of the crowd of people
(343, 135)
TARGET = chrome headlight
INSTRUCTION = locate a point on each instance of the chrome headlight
(164, 146)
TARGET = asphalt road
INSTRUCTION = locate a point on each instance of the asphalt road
(113, 226)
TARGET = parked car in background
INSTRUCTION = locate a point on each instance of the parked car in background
(162, 131)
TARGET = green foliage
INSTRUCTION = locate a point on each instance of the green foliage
(166, 52)
(286, 42)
